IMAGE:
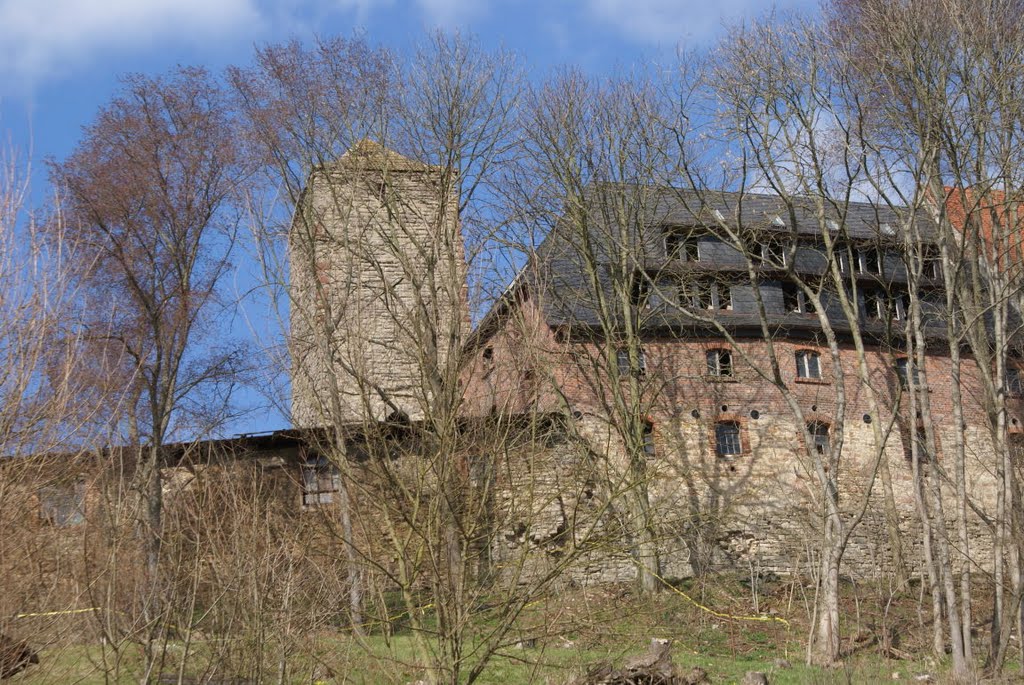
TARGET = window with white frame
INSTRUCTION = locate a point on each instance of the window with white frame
(869, 261)
(808, 364)
(719, 363)
(774, 254)
(705, 294)
(681, 243)
(931, 262)
(795, 300)
(875, 308)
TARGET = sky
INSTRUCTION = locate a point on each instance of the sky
(60, 60)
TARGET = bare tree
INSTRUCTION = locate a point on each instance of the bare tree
(149, 193)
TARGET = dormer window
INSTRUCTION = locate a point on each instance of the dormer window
(931, 263)
(795, 300)
(682, 244)
(876, 305)
(869, 261)
(774, 254)
(704, 294)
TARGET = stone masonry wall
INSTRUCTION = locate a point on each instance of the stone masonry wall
(760, 510)
(377, 274)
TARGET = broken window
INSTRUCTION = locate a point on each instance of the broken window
(719, 363)
(869, 261)
(320, 481)
(795, 300)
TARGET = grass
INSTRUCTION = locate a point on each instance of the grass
(566, 634)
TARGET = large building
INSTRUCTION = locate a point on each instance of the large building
(699, 356)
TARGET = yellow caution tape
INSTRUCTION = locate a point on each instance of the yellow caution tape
(719, 614)
(57, 613)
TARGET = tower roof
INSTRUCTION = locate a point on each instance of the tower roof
(369, 154)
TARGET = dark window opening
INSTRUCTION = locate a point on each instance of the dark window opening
(639, 291)
(727, 439)
(649, 448)
(719, 363)
(795, 300)
(920, 440)
(931, 262)
(320, 481)
(1014, 382)
(869, 261)
(682, 244)
(808, 364)
(876, 305)
(819, 437)
(488, 359)
(774, 254)
(905, 371)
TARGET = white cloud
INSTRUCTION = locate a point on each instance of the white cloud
(39, 39)
(672, 21)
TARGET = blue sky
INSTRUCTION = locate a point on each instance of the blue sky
(60, 59)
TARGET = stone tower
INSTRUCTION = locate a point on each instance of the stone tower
(377, 288)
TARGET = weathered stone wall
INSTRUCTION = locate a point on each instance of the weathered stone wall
(760, 510)
(377, 282)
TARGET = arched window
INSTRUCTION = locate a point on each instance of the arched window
(819, 431)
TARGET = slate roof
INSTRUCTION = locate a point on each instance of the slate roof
(556, 274)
